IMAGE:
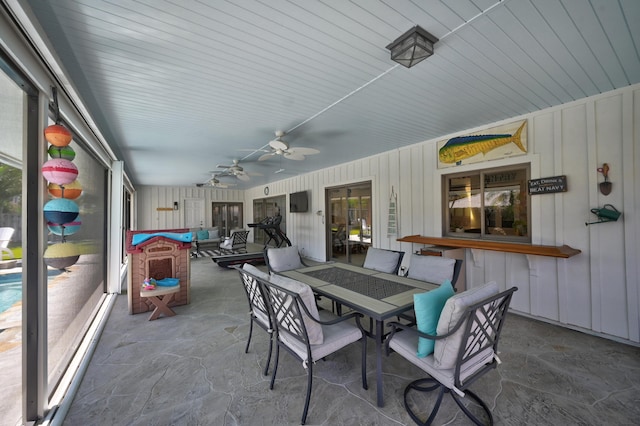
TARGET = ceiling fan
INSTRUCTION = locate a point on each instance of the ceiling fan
(234, 170)
(215, 183)
(280, 147)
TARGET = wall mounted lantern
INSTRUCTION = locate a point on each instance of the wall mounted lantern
(412, 47)
(175, 205)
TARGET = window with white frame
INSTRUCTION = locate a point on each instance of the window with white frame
(488, 203)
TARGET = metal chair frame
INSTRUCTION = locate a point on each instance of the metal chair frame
(287, 311)
(482, 324)
(257, 303)
(238, 242)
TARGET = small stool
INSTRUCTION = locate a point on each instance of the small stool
(161, 303)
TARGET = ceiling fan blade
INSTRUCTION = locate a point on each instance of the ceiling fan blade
(294, 156)
(304, 151)
(278, 144)
(222, 166)
(243, 177)
(266, 156)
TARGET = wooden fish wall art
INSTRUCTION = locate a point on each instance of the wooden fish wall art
(497, 142)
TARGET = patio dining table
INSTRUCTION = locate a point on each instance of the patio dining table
(377, 295)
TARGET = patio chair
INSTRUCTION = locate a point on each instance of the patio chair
(280, 259)
(383, 260)
(305, 334)
(286, 259)
(466, 348)
(434, 269)
(339, 239)
(236, 243)
(5, 238)
(258, 310)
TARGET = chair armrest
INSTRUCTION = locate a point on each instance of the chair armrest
(355, 315)
(396, 326)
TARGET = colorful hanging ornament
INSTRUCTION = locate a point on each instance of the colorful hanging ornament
(57, 135)
(61, 210)
(65, 229)
(61, 255)
(70, 191)
(59, 171)
(64, 152)
(61, 213)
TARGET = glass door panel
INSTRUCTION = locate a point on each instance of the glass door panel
(268, 207)
(227, 217)
(349, 226)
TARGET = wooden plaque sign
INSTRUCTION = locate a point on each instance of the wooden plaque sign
(548, 185)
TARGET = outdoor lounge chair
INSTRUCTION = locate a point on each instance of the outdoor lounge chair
(5, 238)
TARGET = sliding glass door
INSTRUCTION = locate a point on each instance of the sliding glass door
(349, 222)
(268, 207)
(227, 217)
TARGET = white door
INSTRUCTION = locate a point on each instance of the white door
(194, 213)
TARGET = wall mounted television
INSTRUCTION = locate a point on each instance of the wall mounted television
(299, 202)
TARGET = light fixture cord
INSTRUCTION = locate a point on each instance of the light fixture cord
(348, 95)
(353, 92)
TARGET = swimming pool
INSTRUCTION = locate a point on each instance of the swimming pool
(11, 288)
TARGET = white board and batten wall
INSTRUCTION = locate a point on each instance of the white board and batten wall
(151, 198)
(596, 291)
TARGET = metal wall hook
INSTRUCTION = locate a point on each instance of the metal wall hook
(56, 107)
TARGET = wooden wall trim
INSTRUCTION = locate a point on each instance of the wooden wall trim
(539, 250)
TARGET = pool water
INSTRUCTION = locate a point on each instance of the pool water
(11, 288)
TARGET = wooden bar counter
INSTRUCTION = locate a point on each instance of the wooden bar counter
(539, 250)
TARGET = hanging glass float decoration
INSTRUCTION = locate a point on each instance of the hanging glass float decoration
(65, 229)
(61, 255)
(57, 135)
(69, 191)
(59, 171)
(61, 213)
(64, 152)
(61, 210)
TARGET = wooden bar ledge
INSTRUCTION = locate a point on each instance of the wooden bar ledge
(539, 250)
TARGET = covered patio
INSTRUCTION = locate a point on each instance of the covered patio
(192, 369)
